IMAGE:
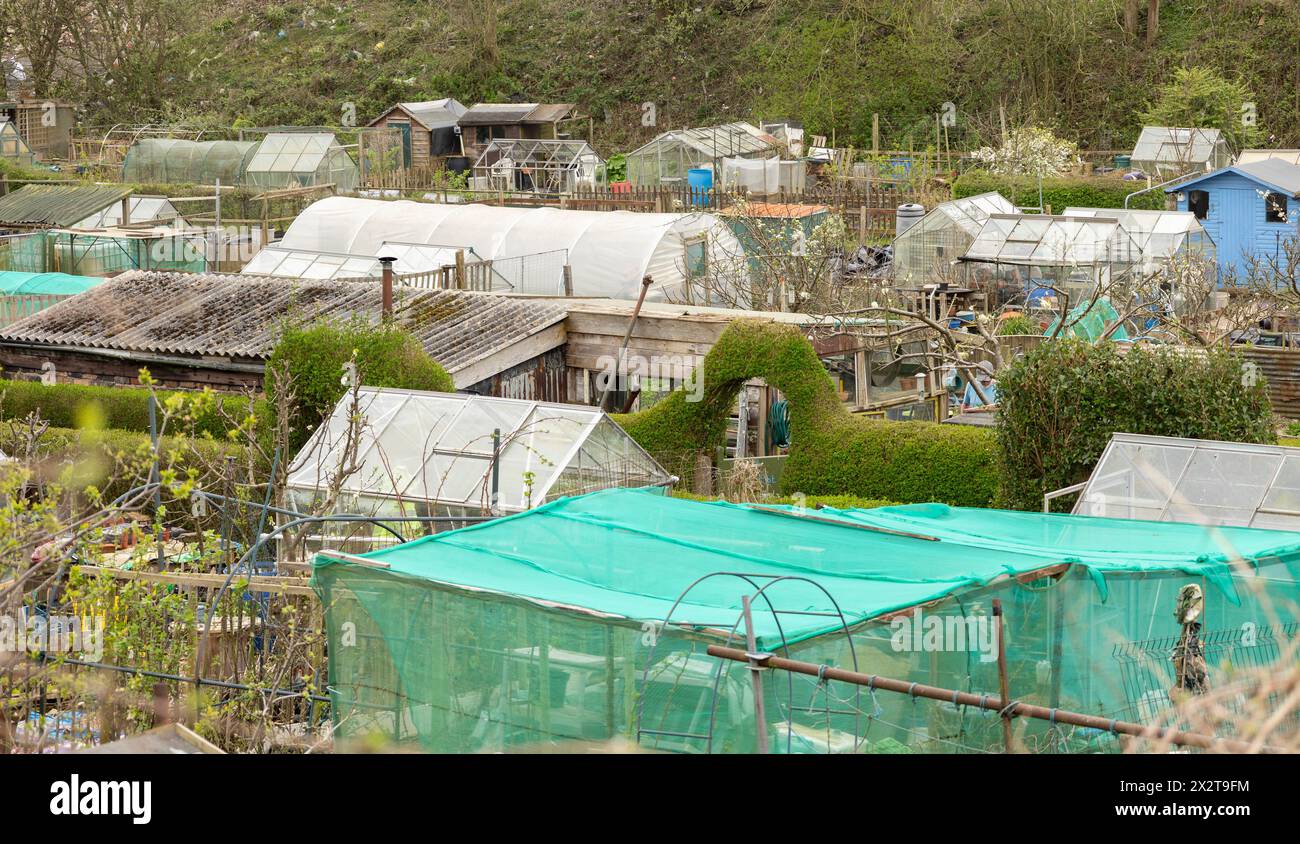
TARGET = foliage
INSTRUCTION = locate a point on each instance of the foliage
(839, 502)
(1198, 97)
(122, 408)
(1018, 325)
(1058, 193)
(616, 168)
(316, 357)
(1029, 151)
(833, 451)
(1061, 402)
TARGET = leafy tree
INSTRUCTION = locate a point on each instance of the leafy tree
(1197, 97)
(1030, 151)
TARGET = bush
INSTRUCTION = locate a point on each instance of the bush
(81, 458)
(1061, 402)
(833, 452)
(315, 356)
(839, 502)
(122, 408)
(1058, 192)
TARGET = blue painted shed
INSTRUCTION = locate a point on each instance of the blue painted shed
(1249, 210)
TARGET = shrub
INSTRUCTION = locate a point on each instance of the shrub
(1061, 402)
(315, 356)
(1058, 192)
(122, 408)
(833, 452)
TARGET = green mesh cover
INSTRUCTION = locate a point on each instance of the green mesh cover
(174, 161)
(546, 627)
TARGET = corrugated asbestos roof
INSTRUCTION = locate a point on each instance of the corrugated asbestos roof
(240, 316)
(57, 205)
(492, 114)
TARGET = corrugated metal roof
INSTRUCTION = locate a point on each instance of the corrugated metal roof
(240, 316)
(57, 205)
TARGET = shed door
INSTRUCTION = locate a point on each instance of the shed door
(1236, 213)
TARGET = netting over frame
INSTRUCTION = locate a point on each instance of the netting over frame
(545, 627)
(175, 161)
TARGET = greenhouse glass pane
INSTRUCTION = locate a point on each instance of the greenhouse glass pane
(473, 429)
(1222, 487)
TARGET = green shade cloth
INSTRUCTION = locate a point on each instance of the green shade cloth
(631, 554)
(45, 284)
(1088, 321)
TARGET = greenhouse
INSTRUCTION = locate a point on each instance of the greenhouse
(409, 258)
(1163, 152)
(609, 252)
(289, 160)
(1161, 236)
(23, 294)
(12, 146)
(176, 161)
(668, 158)
(1172, 479)
(588, 619)
(1016, 253)
(538, 166)
(927, 251)
(157, 210)
(432, 454)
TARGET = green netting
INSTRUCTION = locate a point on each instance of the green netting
(169, 160)
(45, 284)
(1089, 320)
(547, 626)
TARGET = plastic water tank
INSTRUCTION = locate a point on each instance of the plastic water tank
(908, 214)
(700, 181)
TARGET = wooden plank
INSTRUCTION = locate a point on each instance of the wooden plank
(282, 585)
(680, 329)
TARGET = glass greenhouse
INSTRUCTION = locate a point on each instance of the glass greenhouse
(1015, 254)
(12, 146)
(175, 161)
(541, 166)
(1171, 479)
(287, 160)
(928, 250)
(141, 209)
(1164, 152)
(1161, 236)
(667, 158)
(431, 454)
(588, 620)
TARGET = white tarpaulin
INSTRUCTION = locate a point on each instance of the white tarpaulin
(756, 175)
(609, 251)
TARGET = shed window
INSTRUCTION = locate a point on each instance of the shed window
(1198, 202)
(1275, 208)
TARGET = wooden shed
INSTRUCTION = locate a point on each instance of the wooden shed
(484, 122)
(429, 129)
(1249, 210)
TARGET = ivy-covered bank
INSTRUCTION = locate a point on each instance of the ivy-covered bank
(834, 451)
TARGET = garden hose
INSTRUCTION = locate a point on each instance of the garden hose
(778, 424)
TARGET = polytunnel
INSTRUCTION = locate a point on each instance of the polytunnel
(609, 251)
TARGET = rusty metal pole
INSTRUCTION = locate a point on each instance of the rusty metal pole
(627, 338)
(985, 702)
(1003, 683)
(756, 668)
(386, 302)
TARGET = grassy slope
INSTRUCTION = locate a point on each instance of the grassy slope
(832, 62)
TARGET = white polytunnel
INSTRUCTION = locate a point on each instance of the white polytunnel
(609, 251)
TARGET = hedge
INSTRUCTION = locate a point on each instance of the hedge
(833, 451)
(1060, 403)
(86, 458)
(122, 408)
(1059, 193)
(385, 355)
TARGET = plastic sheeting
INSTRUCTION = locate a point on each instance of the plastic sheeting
(609, 251)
